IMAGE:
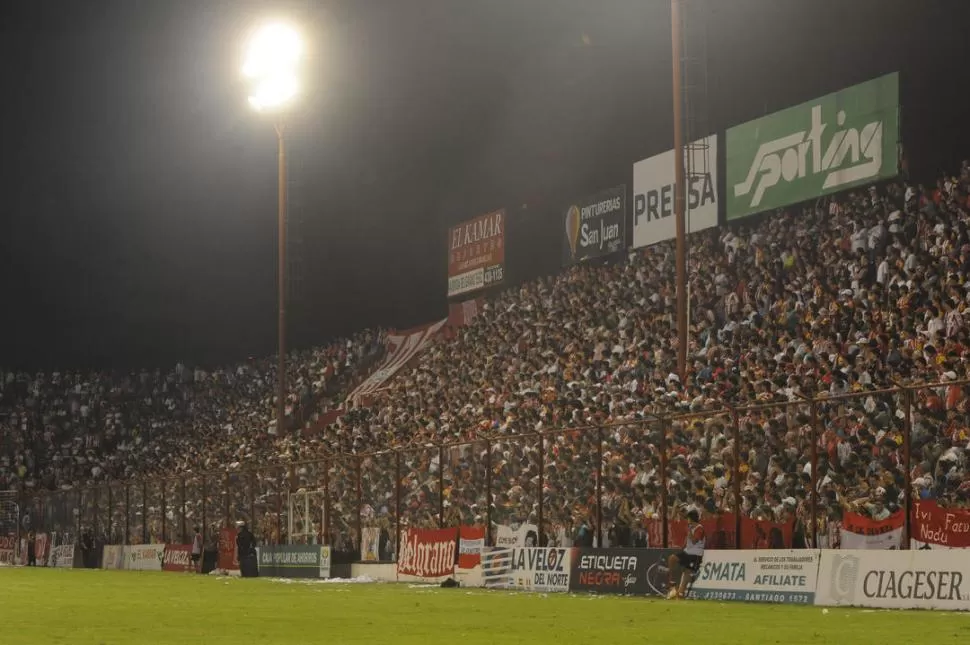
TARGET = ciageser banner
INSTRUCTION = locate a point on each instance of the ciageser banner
(428, 553)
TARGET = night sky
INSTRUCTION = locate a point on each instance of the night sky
(138, 221)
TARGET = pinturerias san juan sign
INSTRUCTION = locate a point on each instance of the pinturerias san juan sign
(832, 143)
(595, 226)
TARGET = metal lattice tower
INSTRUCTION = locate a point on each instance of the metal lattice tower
(699, 159)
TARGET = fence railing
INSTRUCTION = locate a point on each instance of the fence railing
(824, 454)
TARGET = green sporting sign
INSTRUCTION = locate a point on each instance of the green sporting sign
(835, 142)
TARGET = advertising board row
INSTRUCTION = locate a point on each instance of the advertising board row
(294, 561)
(826, 145)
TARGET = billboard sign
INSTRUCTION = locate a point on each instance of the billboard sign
(476, 253)
(294, 561)
(762, 575)
(653, 193)
(595, 226)
(822, 146)
(640, 572)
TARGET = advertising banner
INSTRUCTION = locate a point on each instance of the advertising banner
(860, 532)
(476, 253)
(787, 576)
(177, 557)
(292, 561)
(112, 557)
(894, 580)
(641, 572)
(325, 561)
(62, 556)
(370, 548)
(522, 535)
(8, 549)
(228, 558)
(42, 545)
(529, 569)
(428, 553)
(144, 557)
(822, 146)
(471, 541)
(595, 226)
(653, 193)
(939, 528)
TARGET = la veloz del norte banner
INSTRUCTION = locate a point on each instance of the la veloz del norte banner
(822, 146)
(595, 226)
(527, 568)
(476, 253)
(653, 193)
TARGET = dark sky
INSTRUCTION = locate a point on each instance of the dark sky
(137, 222)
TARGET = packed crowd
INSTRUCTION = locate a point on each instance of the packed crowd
(59, 430)
(842, 298)
(835, 301)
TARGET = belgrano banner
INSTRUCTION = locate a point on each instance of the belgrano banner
(823, 146)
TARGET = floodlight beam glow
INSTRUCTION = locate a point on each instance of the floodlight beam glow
(271, 63)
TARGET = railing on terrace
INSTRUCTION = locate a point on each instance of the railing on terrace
(729, 460)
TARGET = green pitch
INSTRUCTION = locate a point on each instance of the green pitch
(39, 606)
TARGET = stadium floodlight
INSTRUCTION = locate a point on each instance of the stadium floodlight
(271, 65)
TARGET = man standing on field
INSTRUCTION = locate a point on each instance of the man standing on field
(196, 548)
(688, 560)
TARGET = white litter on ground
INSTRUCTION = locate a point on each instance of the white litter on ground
(324, 581)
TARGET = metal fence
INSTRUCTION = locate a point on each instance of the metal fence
(602, 475)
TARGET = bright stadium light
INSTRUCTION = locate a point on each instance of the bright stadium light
(271, 65)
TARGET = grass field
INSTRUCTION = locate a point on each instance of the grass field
(79, 607)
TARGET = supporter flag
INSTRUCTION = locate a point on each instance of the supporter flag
(470, 545)
(860, 532)
(935, 527)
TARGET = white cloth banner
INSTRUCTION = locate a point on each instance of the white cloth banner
(530, 569)
(144, 557)
(112, 556)
(523, 535)
(62, 556)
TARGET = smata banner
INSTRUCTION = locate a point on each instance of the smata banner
(894, 580)
(292, 561)
(860, 532)
(144, 557)
(428, 553)
(530, 569)
(939, 528)
(620, 571)
(177, 557)
(476, 253)
(595, 226)
(653, 193)
(785, 576)
(471, 541)
(112, 557)
(822, 146)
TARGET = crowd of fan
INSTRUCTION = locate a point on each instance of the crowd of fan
(848, 296)
(59, 430)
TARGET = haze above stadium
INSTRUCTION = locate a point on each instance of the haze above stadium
(138, 219)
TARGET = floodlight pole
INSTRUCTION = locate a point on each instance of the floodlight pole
(281, 271)
(679, 195)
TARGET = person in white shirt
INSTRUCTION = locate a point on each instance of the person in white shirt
(688, 560)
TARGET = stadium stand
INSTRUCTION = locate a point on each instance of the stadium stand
(847, 302)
